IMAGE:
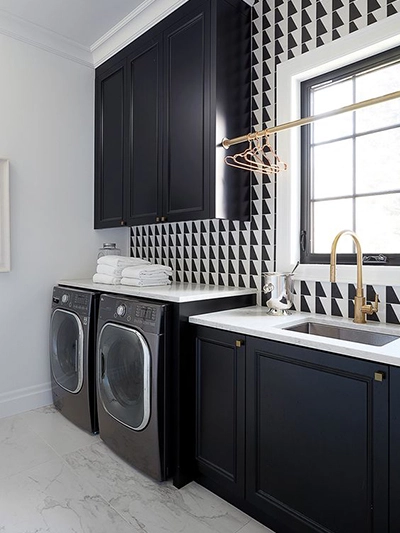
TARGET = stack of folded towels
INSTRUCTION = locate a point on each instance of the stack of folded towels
(117, 269)
(146, 275)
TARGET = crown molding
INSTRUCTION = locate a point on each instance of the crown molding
(52, 42)
(121, 24)
(141, 19)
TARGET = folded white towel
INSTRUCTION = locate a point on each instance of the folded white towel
(156, 276)
(118, 261)
(110, 270)
(134, 282)
(105, 278)
(146, 271)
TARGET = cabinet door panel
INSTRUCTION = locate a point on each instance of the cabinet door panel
(144, 174)
(187, 100)
(109, 162)
(220, 372)
(317, 438)
(394, 450)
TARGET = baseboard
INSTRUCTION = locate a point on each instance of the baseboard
(21, 400)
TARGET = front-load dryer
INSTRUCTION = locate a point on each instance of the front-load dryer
(73, 355)
(132, 381)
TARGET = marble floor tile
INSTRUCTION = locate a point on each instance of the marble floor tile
(20, 447)
(51, 498)
(56, 430)
(154, 507)
(254, 527)
(56, 478)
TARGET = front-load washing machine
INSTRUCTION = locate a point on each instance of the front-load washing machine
(73, 355)
(132, 381)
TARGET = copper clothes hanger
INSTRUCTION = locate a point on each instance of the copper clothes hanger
(262, 158)
(259, 158)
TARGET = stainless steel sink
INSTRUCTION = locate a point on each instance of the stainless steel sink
(345, 334)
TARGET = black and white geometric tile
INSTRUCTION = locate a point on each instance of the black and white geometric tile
(237, 253)
(336, 299)
(393, 305)
(339, 298)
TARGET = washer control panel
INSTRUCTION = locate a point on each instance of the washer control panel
(73, 300)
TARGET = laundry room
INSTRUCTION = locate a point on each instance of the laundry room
(250, 383)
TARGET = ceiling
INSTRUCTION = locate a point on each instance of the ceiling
(82, 21)
(86, 31)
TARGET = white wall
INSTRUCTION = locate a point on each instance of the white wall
(47, 133)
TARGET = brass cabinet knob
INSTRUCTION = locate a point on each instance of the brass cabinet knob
(157, 219)
(379, 376)
(239, 343)
(163, 219)
(123, 223)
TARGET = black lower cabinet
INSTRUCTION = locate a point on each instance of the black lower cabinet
(316, 434)
(317, 439)
(394, 450)
(220, 402)
(183, 383)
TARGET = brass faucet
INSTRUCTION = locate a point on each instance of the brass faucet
(360, 307)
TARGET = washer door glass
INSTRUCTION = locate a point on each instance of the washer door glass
(124, 375)
(66, 350)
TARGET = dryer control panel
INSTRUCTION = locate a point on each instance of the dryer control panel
(142, 314)
(146, 312)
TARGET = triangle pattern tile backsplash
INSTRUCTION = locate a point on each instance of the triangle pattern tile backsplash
(235, 253)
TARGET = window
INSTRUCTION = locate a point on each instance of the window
(351, 163)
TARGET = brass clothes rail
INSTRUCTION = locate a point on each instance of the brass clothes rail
(226, 143)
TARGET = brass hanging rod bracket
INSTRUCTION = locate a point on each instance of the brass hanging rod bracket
(226, 143)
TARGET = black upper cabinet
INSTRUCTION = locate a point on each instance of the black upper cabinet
(143, 184)
(110, 146)
(163, 105)
(186, 183)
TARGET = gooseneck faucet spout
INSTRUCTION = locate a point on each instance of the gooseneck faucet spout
(360, 307)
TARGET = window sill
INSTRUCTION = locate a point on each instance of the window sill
(372, 275)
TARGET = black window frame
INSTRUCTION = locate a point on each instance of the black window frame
(306, 257)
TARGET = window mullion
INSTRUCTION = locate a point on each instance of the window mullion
(330, 153)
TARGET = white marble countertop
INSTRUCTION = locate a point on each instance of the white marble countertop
(256, 322)
(176, 292)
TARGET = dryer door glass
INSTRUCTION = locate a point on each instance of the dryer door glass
(124, 375)
(66, 350)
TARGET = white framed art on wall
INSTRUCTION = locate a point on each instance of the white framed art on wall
(5, 265)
